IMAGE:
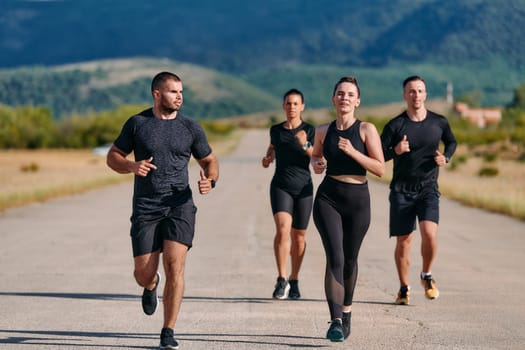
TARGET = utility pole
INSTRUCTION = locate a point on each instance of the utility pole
(450, 96)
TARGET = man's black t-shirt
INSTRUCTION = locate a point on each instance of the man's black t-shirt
(171, 143)
(417, 168)
(292, 171)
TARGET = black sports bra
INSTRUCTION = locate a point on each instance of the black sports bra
(339, 163)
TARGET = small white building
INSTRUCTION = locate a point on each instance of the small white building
(479, 116)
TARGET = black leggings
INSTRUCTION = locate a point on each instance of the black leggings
(341, 214)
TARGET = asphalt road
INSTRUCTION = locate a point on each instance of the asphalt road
(66, 276)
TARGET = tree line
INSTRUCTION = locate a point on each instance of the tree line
(28, 127)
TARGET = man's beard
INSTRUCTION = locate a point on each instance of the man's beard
(168, 109)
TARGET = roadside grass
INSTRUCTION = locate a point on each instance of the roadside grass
(39, 175)
(44, 193)
(32, 176)
(503, 193)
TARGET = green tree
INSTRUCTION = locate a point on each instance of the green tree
(27, 127)
(519, 98)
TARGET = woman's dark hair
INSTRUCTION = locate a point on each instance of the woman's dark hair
(293, 92)
(351, 80)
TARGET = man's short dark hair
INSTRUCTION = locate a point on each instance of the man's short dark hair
(160, 78)
(412, 78)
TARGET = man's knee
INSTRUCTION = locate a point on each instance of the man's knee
(428, 230)
(146, 267)
(174, 258)
(404, 241)
(144, 276)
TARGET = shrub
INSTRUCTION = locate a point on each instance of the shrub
(26, 127)
(30, 168)
(489, 157)
(217, 127)
(488, 171)
(457, 161)
(94, 129)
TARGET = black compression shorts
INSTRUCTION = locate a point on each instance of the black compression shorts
(299, 206)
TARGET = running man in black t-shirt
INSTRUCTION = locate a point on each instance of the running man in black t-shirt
(163, 219)
(291, 191)
(412, 139)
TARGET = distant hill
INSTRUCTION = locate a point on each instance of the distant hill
(274, 44)
(239, 36)
(105, 84)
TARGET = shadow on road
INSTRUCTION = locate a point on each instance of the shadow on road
(67, 339)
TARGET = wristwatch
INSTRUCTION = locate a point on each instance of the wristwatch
(447, 159)
(212, 182)
(307, 145)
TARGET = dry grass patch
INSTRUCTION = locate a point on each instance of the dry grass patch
(504, 193)
(30, 176)
(36, 175)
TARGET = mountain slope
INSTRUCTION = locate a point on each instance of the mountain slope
(237, 35)
(105, 84)
(271, 46)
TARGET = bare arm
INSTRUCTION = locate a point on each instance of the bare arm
(302, 139)
(317, 159)
(269, 157)
(208, 173)
(374, 162)
(118, 161)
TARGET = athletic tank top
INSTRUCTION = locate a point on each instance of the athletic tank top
(339, 163)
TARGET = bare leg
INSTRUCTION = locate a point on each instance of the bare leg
(402, 258)
(281, 242)
(297, 251)
(428, 243)
(174, 259)
(146, 267)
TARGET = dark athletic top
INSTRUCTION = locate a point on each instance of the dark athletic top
(417, 168)
(338, 162)
(171, 144)
(292, 168)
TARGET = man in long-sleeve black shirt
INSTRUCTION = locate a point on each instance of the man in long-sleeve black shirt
(412, 140)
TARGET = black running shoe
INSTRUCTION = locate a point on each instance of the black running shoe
(347, 317)
(294, 289)
(282, 287)
(167, 340)
(150, 299)
(335, 332)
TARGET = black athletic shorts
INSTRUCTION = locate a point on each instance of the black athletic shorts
(299, 206)
(147, 235)
(406, 207)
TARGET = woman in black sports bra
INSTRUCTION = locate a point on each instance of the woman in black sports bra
(345, 149)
